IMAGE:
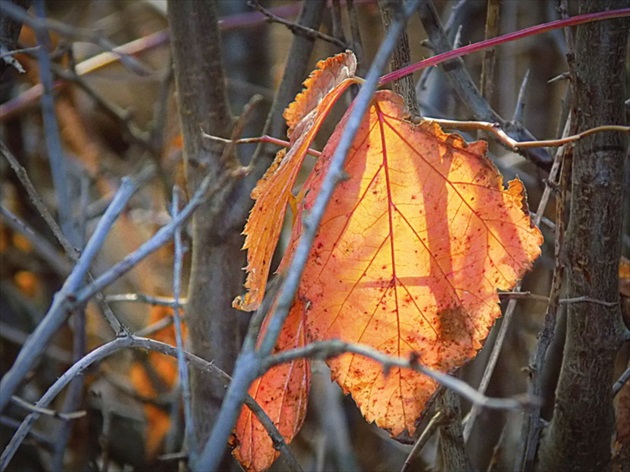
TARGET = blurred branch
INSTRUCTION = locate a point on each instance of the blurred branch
(531, 427)
(37, 201)
(356, 43)
(472, 415)
(133, 342)
(16, 336)
(582, 426)
(295, 72)
(296, 28)
(621, 382)
(486, 83)
(142, 298)
(46, 411)
(161, 237)
(74, 33)
(401, 57)
(41, 246)
(56, 155)
(519, 109)
(59, 311)
(123, 117)
(469, 94)
(189, 425)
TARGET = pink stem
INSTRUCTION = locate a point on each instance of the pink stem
(488, 43)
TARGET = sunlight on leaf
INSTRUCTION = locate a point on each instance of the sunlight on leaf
(272, 193)
(409, 256)
(282, 392)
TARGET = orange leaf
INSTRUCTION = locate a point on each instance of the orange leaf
(273, 191)
(329, 74)
(282, 392)
(409, 256)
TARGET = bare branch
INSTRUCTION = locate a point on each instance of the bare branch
(189, 423)
(133, 342)
(296, 28)
(333, 348)
(149, 299)
(59, 310)
(462, 83)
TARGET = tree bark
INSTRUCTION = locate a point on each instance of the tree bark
(216, 277)
(579, 436)
(10, 32)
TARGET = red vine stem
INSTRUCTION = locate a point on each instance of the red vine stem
(506, 38)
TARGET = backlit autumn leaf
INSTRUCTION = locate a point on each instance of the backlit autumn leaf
(409, 256)
(329, 74)
(282, 392)
(408, 259)
(272, 193)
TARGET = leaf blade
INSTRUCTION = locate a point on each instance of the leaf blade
(409, 256)
(282, 392)
(272, 193)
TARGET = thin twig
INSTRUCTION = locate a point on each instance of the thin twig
(296, 28)
(531, 426)
(36, 199)
(261, 139)
(58, 165)
(7, 57)
(155, 327)
(519, 109)
(133, 342)
(431, 428)
(621, 382)
(68, 416)
(149, 299)
(40, 245)
(207, 188)
(568, 301)
(334, 348)
(523, 296)
(143, 138)
(509, 312)
(510, 143)
(74, 33)
(295, 71)
(57, 313)
(462, 82)
(72, 252)
(18, 51)
(182, 367)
